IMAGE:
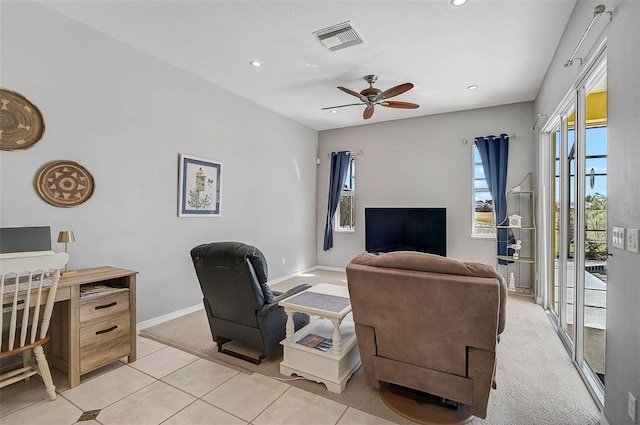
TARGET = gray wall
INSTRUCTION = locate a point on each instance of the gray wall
(126, 116)
(422, 162)
(623, 288)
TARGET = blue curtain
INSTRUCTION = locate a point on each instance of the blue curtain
(494, 152)
(339, 166)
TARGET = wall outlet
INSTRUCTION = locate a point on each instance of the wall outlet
(632, 408)
(283, 261)
(632, 240)
(617, 237)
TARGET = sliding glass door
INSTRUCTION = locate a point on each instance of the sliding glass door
(562, 287)
(577, 287)
(595, 226)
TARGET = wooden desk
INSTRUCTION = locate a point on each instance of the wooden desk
(91, 331)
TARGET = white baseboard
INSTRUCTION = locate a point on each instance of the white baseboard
(603, 419)
(169, 316)
(178, 313)
(310, 269)
(289, 276)
(333, 269)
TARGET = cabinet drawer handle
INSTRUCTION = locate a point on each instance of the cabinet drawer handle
(104, 331)
(100, 307)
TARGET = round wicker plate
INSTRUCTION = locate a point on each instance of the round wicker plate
(21, 122)
(65, 184)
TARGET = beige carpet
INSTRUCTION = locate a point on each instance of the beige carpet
(537, 384)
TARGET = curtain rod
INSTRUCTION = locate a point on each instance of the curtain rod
(466, 141)
(533, 127)
(597, 11)
(360, 152)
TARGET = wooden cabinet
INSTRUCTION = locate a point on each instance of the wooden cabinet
(104, 329)
(92, 329)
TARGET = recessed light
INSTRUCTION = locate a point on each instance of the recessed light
(333, 111)
(458, 2)
(257, 64)
(472, 87)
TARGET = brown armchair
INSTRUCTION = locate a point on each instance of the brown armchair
(428, 323)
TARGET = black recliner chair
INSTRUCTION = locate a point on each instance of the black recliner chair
(239, 304)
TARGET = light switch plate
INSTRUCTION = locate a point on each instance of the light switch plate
(632, 240)
(617, 237)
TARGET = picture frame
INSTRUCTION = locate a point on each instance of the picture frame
(199, 187)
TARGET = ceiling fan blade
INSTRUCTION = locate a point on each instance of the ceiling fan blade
(353, 93)
(368, 112)
(394, 91)
(342, 106)
(401, 105)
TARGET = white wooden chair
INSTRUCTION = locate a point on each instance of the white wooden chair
(33, 282)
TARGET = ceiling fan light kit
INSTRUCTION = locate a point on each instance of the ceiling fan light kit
(372, 96)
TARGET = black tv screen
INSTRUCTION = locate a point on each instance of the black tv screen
(406, 229)
(23, 239)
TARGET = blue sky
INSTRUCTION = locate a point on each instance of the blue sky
(596, 144)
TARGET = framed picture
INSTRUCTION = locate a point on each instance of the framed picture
(199, 187)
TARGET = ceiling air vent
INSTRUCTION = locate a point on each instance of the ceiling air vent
(339, 36)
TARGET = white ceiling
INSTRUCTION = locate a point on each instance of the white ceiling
(503, 46)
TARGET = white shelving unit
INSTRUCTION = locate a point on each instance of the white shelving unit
(520, 270)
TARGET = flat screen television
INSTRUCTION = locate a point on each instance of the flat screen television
(406, 229)
(25, 239)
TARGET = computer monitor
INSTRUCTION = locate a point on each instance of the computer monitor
(25, 239)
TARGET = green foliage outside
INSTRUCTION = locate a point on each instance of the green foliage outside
(596, 227)
(485, 206)
(346, 211)
(595, 221)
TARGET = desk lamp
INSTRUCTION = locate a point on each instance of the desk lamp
(66, 236)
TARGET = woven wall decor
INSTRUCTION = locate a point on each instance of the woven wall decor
(65, 184)
(21, 122)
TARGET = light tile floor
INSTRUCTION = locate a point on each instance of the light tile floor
(171, 387)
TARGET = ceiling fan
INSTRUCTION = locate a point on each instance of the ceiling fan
(373, 96)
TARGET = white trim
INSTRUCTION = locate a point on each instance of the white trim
(484, 236)
(289, 276)
(351, 193)
(597, 54)
(344, 230)
(333, 269)
(283, 278)
(169, 316)
(574, 101)
(475, 235)
(188, 310)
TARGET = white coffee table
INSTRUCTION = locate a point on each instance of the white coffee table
(333, 367)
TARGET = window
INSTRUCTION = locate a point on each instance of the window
(345, 214)
(483, 217)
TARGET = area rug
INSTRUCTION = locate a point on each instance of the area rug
(537, 383)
